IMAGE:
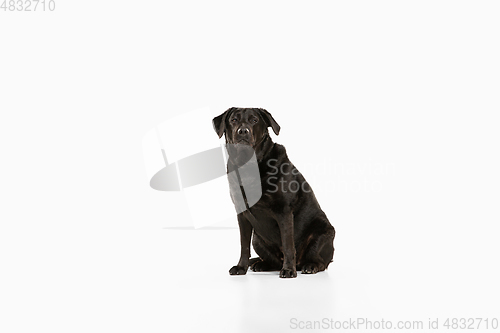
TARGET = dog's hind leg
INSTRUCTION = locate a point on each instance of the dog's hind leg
(318, 253)
(269, 258)
(253, 261)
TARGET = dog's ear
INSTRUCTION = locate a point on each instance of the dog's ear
(270, 121)
(219, 123)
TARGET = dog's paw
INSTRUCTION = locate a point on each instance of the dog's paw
(288, 273)
(265, 266)
(310, 269)
(238, 270)
(259, 266)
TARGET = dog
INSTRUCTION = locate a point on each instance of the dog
(290, 230)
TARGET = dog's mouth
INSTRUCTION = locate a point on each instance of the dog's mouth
(244, 142)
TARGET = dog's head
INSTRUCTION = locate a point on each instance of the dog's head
(246, 126)
(246, 132)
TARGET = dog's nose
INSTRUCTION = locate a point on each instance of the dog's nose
(243, 131)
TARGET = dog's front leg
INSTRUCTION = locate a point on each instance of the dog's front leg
(245, 237)
(285, 223)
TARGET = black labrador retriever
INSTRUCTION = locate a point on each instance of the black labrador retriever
(290, 231)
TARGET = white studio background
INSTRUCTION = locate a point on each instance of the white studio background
(389, 108)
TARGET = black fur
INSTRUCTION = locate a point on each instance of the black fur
(290, 231)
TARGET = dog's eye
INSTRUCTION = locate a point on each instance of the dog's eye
(234, 120)
(254, 120)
